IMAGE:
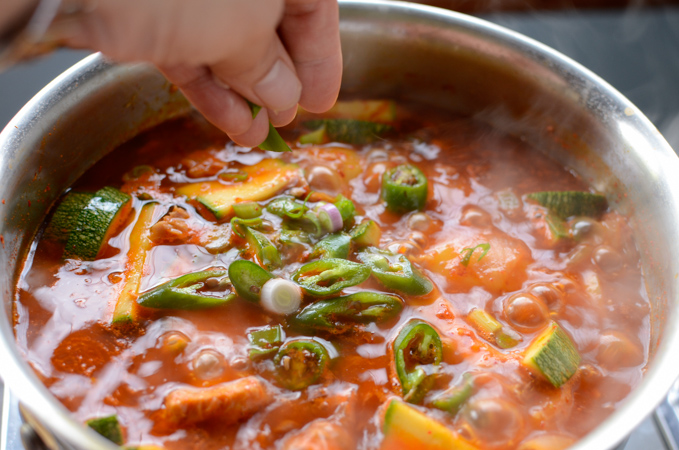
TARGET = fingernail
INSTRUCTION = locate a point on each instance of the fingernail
(279, 89)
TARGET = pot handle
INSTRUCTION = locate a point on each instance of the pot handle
(667, 417)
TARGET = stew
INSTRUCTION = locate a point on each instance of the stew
(403, 278)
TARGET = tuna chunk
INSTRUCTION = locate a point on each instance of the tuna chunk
(229, 402)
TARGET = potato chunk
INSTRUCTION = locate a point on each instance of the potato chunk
(501, 269)
(229, 402)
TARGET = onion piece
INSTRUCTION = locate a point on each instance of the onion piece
(334, 217)
(281, 296)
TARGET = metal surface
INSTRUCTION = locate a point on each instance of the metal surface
(396, 50)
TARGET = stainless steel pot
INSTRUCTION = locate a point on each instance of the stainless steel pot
(390, 50)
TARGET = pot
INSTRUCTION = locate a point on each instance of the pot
(396, 50)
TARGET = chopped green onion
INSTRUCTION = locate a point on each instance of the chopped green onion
(281, 296)
(470, 250)
(237, 223)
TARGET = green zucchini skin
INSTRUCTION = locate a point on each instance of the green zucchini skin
(350, 131)
(66, 215)
(571, 203)
(553, 356)
(94, 223)
(108, 427)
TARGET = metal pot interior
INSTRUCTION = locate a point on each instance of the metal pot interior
(390, 50)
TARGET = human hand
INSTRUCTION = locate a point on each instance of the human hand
(276, 53)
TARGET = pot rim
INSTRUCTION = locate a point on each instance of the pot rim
(662, 370)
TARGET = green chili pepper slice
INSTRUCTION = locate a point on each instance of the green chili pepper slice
(247, 210)
(335, 245)
(300, 363)
(248, 279)
(265, 342)
(286, 207)
(395, 272)
(417, 355)
(330, 276)
(338, 315)
(266, 252)
(452, 399)
(198, 290)
(404, 188)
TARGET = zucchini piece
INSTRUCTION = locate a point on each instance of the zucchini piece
(371, 110)
(491, 330)
(571, 203)
(367, 234)
(66, 215)
(265, 179)
(317, 137)
(103, 215)
(108, 427)
(407, 428)
(350, 131)
(125, 311)
(552, 356)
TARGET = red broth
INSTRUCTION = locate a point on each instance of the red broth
(589, 283)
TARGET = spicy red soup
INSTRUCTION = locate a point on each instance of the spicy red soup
(402, 278)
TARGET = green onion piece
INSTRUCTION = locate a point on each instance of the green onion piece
(239, 226)
(281, 296)
(273, 142)
(470, 250)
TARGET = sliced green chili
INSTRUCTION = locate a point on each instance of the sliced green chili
(248, 279)
(335, 245)
(247, 210)
(469, 251)
(239, 225)
(273, 142)
(265, 342)
(330, 276)
(418, 353)
(404, 188)
(264, 249)
(300, 363)
(452, 399)
(198, 290)
(395, 272)
(338, 315)
(286, 207)
(293, 237)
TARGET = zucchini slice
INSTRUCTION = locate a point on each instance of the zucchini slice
(407, 428)
(350, 131)
(552, 356)
(125, 312)
(97, 221)
(108, 427)
(265, 179)
(571, 203)
(66, 215)
(367, 234)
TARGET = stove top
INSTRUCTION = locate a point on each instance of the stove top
(635, 50)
